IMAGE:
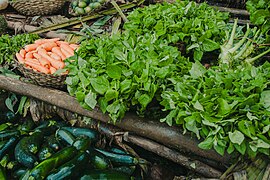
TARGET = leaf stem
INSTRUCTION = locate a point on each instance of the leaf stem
(251, 60)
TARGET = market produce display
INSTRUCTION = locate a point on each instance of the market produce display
(3, 25)
(46, 55)
(82, 7)
(54, 150)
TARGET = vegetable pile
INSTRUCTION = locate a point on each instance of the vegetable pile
(82, 7)
(53, 150)
(46, 55)
(198, 26)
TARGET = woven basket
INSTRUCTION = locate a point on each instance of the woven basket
(42, 79)
(37, 7)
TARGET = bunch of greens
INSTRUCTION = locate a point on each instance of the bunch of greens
(10, 45)
(260, 14)
(121, 72)
(198, 26)
(227, 105)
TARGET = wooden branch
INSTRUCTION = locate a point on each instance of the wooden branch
(174, 156)
(160, 132)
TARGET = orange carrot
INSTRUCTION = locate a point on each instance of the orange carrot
(22, 53)
(61, 42)
(44, 62)
(31, 47)
(29, 55)
(66, 53)
(54, 63)
(20, 58)
(55, 56)
(32, 60)
(58, 51)
(36, 55)
(52, 69)
(74, 46)
(48, 46)
(42, 41)
(38, 67)
(67, 48)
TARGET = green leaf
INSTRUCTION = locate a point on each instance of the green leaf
(198, 106)
(114, 107)
(114, 71)
(102, 104)
(111, 94)
(224, 107)
(144, 100)
(209, 45)
(197, 70)
(247, 128)
(80, 96)
(236, 137)
(9, 104)
(219, 149)
(230, 149)
(90, 100)
(207, 143)
(241, 148)
(21, 105)
(125, 85)
(265, 99)
(100, 84)
(197, 55)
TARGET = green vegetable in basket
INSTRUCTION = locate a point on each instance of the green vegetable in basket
(81, 7)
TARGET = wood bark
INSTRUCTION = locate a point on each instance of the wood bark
(152, 129)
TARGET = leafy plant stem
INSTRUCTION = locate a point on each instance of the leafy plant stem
(251, 60)
(115, 5)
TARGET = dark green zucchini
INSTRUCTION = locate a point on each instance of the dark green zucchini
(53, 143)
(99, 161)
(9, 145)
(45, 152)
(2, 173)
(43, 169)
(117, 150)
(27, 147)
(65, 136)
(120, 159)
(82, 143)
(19, 172)
(46, 128)
(6, 134)
(27, 125)
(90, 133)
(72, 169)
(125, 169)
(104, 175)
(2, 143)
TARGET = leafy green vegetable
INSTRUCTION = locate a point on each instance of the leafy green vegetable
(10, 45)
(199, 26)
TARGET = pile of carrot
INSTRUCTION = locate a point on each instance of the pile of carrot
(46, 55)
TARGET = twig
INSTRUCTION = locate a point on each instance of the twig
(118, 9)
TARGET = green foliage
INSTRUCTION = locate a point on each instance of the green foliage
(228, 108)
(199, 26)
(120, 72)
(10, 45)
(260, 14)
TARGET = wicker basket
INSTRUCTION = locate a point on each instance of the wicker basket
(42, 79)
(37, 7)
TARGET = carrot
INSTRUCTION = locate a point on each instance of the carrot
(67, 48)
(36, 55)
(58, 51)
(61, 42)
(20, 58)
(74, 46)
(48, 46)
(32, 60)
(56, 64)
(55, 56)
(30, 47)
(29, 55)
(42, 41)
(44, 62)
(40, 68)
(52, 69)
(22, 53)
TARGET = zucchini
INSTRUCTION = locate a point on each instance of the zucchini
(46, 128)
(43, 169)
(82, 143)
(26, 148)
(6, 134)
(2, 173)
(53, 143)
(27, 125)
(117, 150)
(19, 172)
(90, 133)
(65, 136)
(120, 159)
(98, 161)
(72, 169)
(45, 152)
(9, 145)
(104, 175)
(125, 169)
(2, 143)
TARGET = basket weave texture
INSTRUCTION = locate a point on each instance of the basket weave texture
(37, 7)
(42, 79)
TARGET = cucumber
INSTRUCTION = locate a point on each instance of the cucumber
(104, 175)
(53, 143)
(120, 159)
(43, 169)
(19, 172)
(65, 136)
(72, 169)
(9, 145)
(2, 173)
(26, 148)
(45, 152)
(90, 133)
(82, 143)
(6, 134)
